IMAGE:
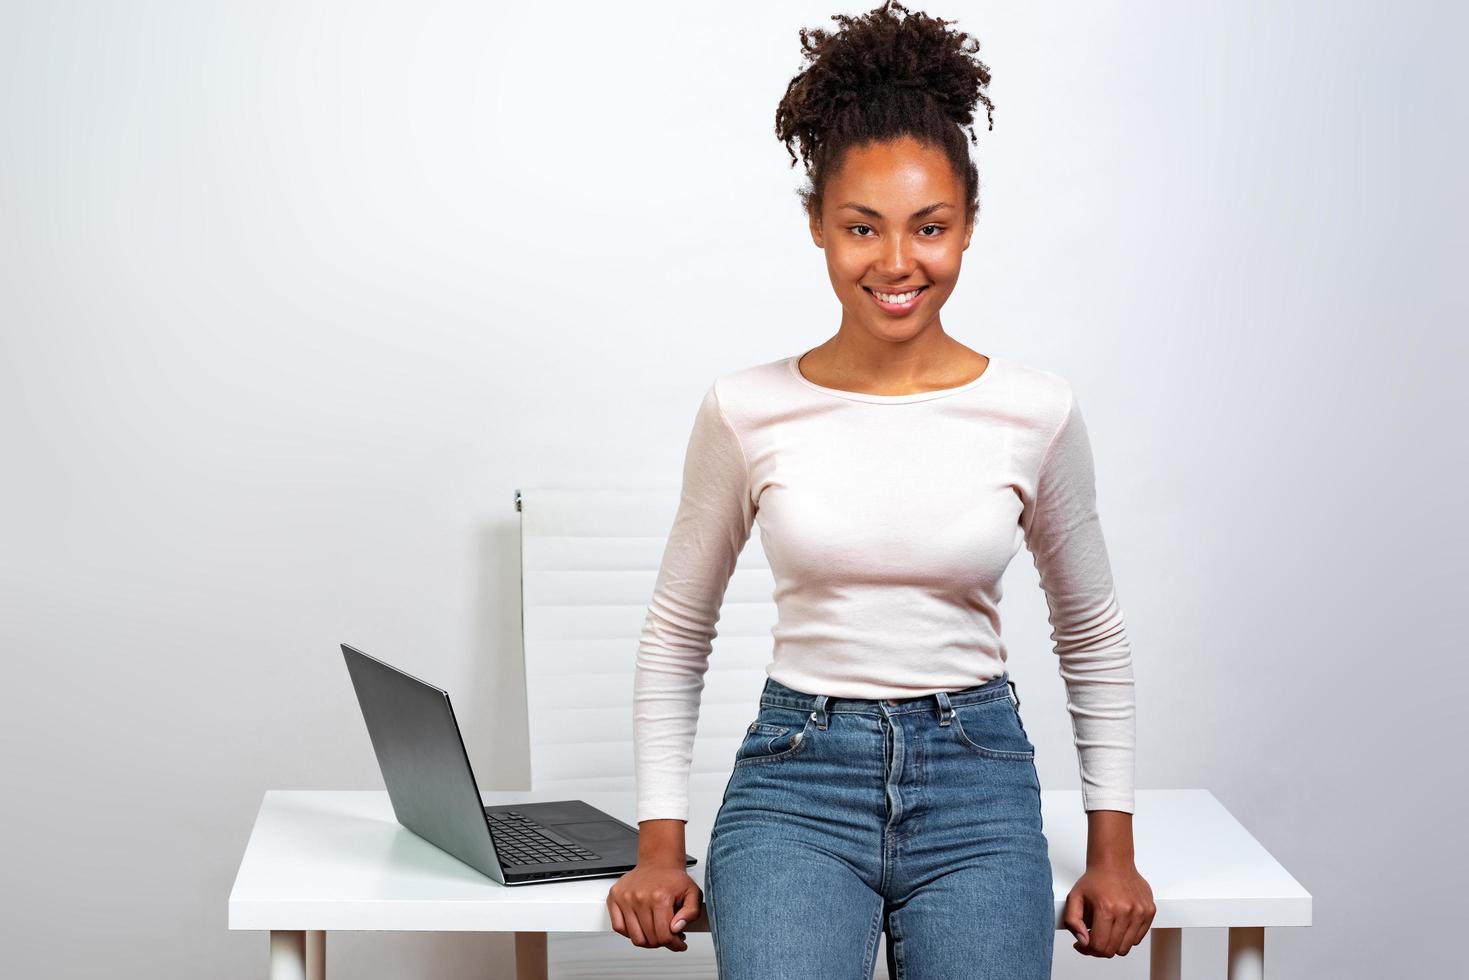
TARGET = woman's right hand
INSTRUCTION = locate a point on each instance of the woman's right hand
(654, 902)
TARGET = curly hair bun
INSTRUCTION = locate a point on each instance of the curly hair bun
(878, 77)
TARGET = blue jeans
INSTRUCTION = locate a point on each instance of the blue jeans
(845, 818)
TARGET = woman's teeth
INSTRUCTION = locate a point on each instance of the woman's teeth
(897, 297)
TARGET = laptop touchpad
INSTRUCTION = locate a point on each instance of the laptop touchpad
(597, 830)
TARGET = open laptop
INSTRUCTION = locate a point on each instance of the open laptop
(434, 793)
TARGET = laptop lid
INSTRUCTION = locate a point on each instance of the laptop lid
(423, 760)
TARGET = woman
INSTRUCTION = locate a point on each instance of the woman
(887, 783)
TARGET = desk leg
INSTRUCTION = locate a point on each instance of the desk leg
(287, 955)
(1247, 953)
(530, 956)
(1165, 957)
(297, 955)
(316, 954)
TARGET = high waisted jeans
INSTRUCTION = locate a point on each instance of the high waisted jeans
(846, 817)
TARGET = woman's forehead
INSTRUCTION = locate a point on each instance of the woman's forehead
(902, 181)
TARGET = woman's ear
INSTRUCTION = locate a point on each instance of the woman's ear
(815, 222)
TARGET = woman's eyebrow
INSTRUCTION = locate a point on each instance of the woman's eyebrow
(920, 213)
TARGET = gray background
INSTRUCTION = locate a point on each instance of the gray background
(294, 295)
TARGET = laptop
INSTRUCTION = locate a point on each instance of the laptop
(435, 795)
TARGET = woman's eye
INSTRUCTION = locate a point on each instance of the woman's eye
(938, 230)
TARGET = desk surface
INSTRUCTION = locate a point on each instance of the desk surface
(337, 859)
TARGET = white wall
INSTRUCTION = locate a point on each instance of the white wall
(294, 295)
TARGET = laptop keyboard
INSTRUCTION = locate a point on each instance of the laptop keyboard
(520, 840)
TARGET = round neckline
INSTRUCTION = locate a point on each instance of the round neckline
(794, 362)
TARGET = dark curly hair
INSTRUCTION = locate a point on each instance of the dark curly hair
(878, 78)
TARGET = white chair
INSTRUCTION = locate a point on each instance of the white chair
(589, 560)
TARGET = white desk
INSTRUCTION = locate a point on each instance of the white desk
(318, 861)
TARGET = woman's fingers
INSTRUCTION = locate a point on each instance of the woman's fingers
(642, 903)
(1132, 934)
(1141, 919)
(689, 907)
(1103, 932)
(1073, 919)
(662, 913)
(635, 929)
(614, 911)
(647, 920)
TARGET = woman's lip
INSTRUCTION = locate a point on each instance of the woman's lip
(897, 307)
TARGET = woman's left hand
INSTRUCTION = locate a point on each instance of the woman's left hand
(1109, 910)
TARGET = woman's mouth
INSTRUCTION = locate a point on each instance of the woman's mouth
(897, 302)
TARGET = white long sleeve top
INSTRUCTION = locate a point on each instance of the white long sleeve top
(887, 521)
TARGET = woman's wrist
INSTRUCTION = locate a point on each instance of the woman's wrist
(661, 842)
(1109, 839)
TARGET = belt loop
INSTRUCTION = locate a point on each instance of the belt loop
(946, 710)
(820, 713)
(1014, 692)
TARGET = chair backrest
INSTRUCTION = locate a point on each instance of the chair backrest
(589, 558)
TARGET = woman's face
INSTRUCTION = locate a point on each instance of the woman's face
(892, 220)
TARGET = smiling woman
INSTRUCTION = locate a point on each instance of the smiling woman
(894, 473)
(892, 194)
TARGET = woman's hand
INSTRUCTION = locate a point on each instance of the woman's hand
(654, 902)
(1109, 910)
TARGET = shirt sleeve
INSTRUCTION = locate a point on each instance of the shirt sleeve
(710, 529)
(1064, 535)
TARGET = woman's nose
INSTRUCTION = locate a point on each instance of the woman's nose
(897, 262)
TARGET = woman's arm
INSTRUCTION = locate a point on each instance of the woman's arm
(714, 520)
(1094, 655)
(653, 903)
(1111, 906)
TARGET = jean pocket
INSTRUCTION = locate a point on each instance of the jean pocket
(992, 729)
(767, 741)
